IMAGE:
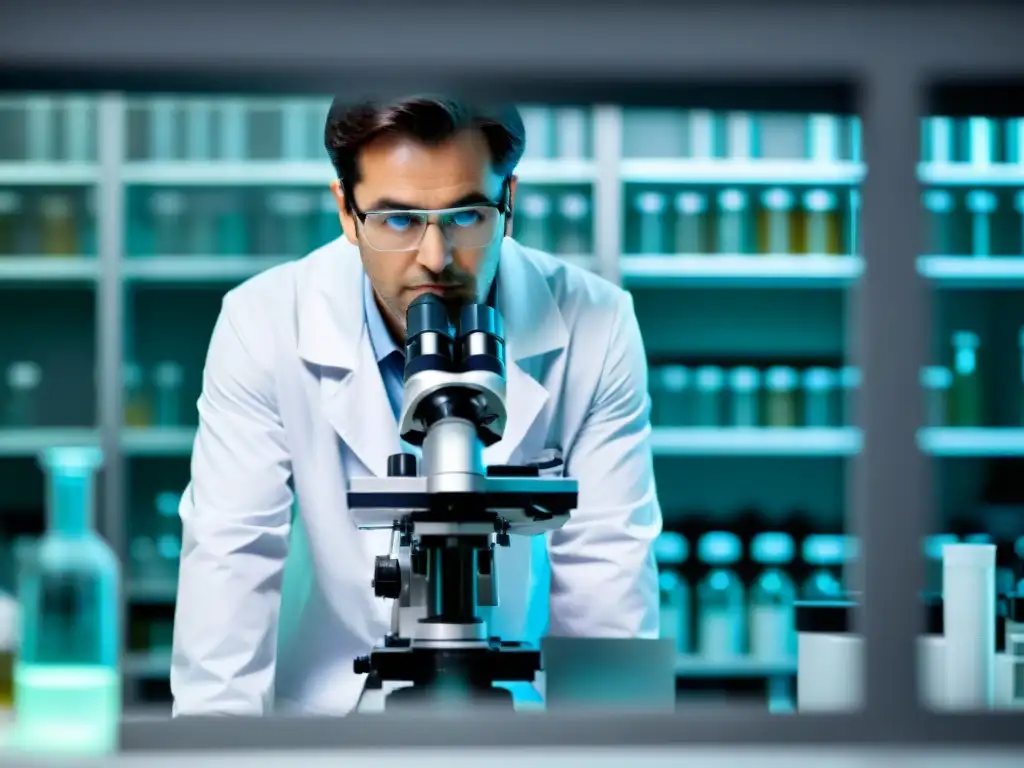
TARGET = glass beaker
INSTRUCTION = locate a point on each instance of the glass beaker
(965, 393)
(23, 380)
(167, 378)
(67, 678)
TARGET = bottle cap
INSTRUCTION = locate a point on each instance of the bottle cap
(56, 206)
(167, 503)
(732, 200)
(745, 378)
(781, 377)
(937, 201)
(710, 378)
(777, 199)
(936, 377)
(668, 581)
(167, 203)
(674, 378)
(9, 203)
(71, 460)
(24, 375)
(719, 548)
(671, 548)
(820, 379)
(850, 377)
(966, 339)
(772, 548)
(650, 202)
(819, 200)
(167, 374)
(535, 206)
(981, 201)
(574, 206)
(824, 549)
(691, 203)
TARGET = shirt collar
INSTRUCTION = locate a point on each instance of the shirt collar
(384, 345)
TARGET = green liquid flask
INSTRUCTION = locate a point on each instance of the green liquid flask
(67, 683)
(965, 395)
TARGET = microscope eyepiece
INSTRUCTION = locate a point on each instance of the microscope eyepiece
(429, 338)
(481, 344)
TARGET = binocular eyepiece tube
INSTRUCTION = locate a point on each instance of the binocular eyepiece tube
(432, 343)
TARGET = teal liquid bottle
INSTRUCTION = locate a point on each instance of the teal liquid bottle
(67, 680)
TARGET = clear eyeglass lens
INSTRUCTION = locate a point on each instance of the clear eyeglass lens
(470, 227)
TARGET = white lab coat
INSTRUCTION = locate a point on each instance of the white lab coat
(293, 405)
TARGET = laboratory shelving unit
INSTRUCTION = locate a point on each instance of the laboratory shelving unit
(113, 272)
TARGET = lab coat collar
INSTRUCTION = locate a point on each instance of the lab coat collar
(333, 335)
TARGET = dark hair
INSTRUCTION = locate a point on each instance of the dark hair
(432, 120)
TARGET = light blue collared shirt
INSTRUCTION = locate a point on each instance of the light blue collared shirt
(390, 357)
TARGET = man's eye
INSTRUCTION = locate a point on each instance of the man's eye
(466, 218)
(398, 222)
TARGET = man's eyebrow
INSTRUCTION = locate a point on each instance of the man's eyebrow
(391, 204)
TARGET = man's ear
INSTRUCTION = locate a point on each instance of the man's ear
(511, 204)
(348, 221)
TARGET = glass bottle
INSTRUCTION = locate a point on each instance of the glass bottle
(780, 397)
(939, 204)
(10, 218)
(936, 381)
(167, 378)
(291, 214)
(59, 234)
(573, 234)
(982, 205)
(532, 225)
(1018, 204)
(732, 222)
(671, 551)
(965, 393)
(691, 208)
(745, 383)
(709, 382)
(1020, 380)
(821, 222)
(819, 386)
(23, 380)
(933, 559)
(651, 208)
(849, 384)
(67, 677)
(772, 597)
(673, 395)
(826, 553)
(774, 235)
(167, 212)
(8, 649)
(720, 598)
(136, 403)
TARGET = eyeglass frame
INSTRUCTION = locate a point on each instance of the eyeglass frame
(503, 207)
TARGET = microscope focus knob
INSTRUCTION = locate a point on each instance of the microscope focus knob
(402, 465)
(387, 578)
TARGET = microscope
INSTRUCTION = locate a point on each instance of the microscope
(448, 512)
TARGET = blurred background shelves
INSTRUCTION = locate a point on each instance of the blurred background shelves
(26, 443)
(737, 441)
(740, 271)
(159, 442)
(1001, 174)
(47, 174)
(970, 272)
(197, 269)
(968, 442)
(728, 171)
(49, 269)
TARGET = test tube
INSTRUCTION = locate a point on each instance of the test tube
(981, 204)
(168, 215)
(59, 229)
(673, 395)
(10, 218)
(969, 621)
(819, 386)
(936, 380)
(198, 130)
(533, 225)
(732, 214)
(745, 382)
(691, 208)
(167, 378)
(775, 230)
(571, 132)
(573, 234)
(540, 132)
(780, 400)
(822, 234)
(709, 381)
(939, 205)
(965, 390)
(651, 207)
(23, 380)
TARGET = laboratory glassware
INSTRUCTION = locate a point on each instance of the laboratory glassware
(202, 222)
(198, 130)
(672, 399)
(982, 205)
(23, 380)
(849, 384)
(573, 232)
(137, 408)
(772, 598)
(67, 677)
(10, 222)
(651, 207)
(40, 129)
(167, 212)
(819, 387)
(532, 227)
(776, 214)
(292, 225)
(572, 128)
(691, 208)
(780, 397)
(965, 392)
(540, 132)
(79, 136)
(720, 598)
(745, 385)
(821, 222)
(739, 135)
(671, 550)
(981, 136)
(823, 138)
(939, 205)
(936, 381)
(651, 133)
(709, 381)
(59, 231)
(1020, 378)
(826, 554)
(732, 221)
(701, 123)
(163, 130)
(167, 379)
(933, 560)
(1018, 204)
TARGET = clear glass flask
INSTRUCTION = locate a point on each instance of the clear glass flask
(720, 598)
(67, 679)
(671, 551)
(772, 598)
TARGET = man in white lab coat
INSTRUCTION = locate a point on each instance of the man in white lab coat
(301, 389)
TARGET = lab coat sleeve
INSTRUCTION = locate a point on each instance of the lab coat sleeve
(236, 516)
(604, 580)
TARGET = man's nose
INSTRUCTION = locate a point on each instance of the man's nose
(434, 252)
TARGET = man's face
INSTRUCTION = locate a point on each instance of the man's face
(398, 172)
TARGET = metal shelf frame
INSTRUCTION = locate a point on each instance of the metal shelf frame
(891, 53)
